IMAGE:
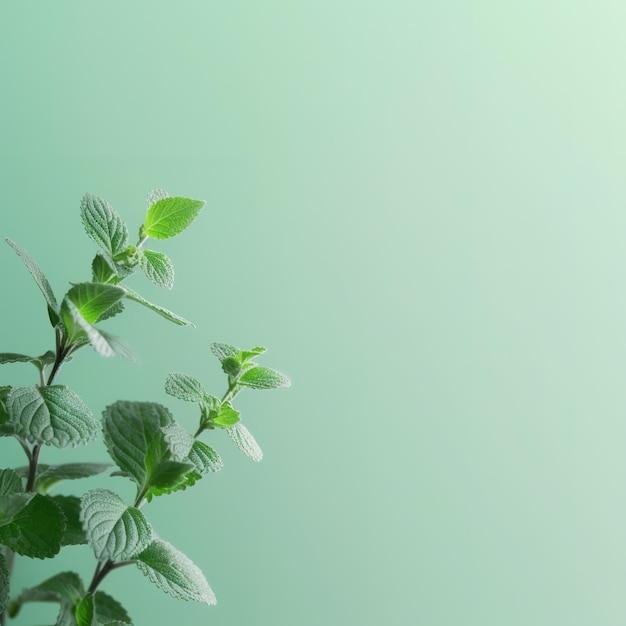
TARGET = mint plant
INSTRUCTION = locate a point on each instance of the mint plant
(146, 444)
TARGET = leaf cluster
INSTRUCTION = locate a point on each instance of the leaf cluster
(146, 444)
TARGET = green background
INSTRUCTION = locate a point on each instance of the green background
(419, 208)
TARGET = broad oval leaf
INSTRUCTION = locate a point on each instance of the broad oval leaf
(103, 224)
(50, 475)
(51, 415)
(263, 378)
(204, 458)
(114, 530)
(185, 387)
(158, 268)
(245, 441)
(36, 530)
(129, 427)
(170, 216)
(94, 299)
(173, 572)
(10, 483)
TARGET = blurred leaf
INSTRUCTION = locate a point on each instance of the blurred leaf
(168, 315)
(65, 588)
(109, 610)
(114, 530)
(40, 279)
(245, 441)
(170, 216)
(74, 533)
(94, 299)
(85, 612)
(4, 583)
(173, 572)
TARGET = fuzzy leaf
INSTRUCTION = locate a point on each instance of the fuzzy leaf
(170, 216)
(38, 361)
(109, 610)
(204, 458)
(36, 530)
(227, 416)
(129, 427)
(245, 441)
(94, 299)
(223, 351)
(10, 483)
(168, 315)
(4, 583)
(185, 387)
(74, 534)
(114, 530)
(263, 378)
(178, 441)
(40, 279)
(154, 195)
(51, 415)
(103, 224)
(65, 588)
(158, 268)
(173, 572)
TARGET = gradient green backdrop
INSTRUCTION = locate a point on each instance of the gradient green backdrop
(419, 207)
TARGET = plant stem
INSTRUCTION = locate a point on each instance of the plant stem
(102, 571)
(32, 468)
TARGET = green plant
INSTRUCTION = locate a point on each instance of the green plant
(145, 443)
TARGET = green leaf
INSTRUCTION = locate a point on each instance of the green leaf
(103, 224)
(231, 366)
(158, 268)
(74, 534)
(109, 610)
(185, 387)
(36, 530)
(38, 361)
(173, 572)
(263, 378)
(170, 216)
(204, 458)
(94, 299)
(223, 351)
(50, 475)
(102, 268)
(65, 588)
(85, 613)
(168, 315)
(104, 344)
(51, 415)
(10, 483)
(227, 416)
(177, 440)
(114, 530)
(40, 279)
(4, 583)
(245, 441)
(129, 427)
(248, 355)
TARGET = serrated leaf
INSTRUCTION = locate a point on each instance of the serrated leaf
(248, 355)
(173, 572)
(114, 530)
(103, 224)
(36, 530)
(40, 279)
(4, 583)
(170, 216)
(85, 613)
(65, 588)
(109, 610)
(177, 440)
(168, 315)
(11, 505)
(158, 268)
(185, 387)
(204, 458)
(94, 299)
(245, 441)
(10, 482)
(129, 427)
(223, 351)
(263, 378)
(74, 534)
(51, 415)
(102, 268)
